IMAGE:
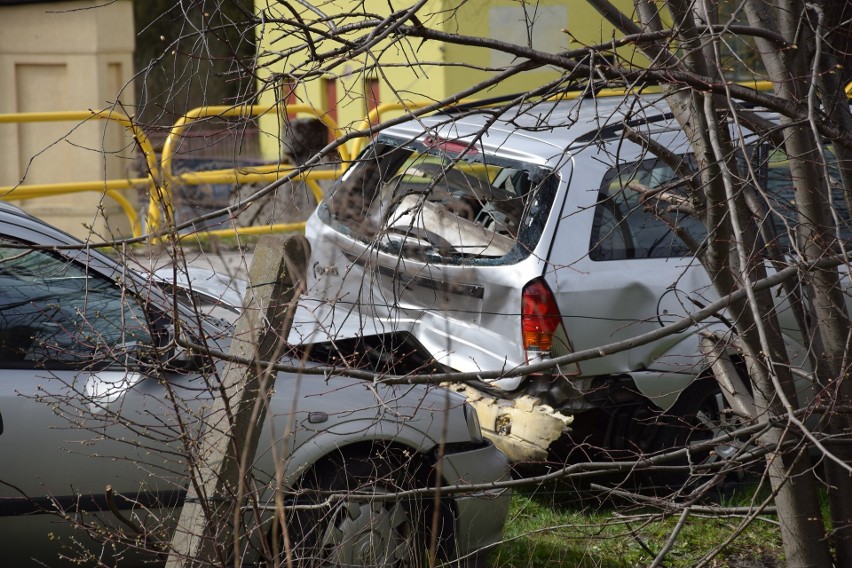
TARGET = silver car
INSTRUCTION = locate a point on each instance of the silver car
(483, 243)
(100, 411)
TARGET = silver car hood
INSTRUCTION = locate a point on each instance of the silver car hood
(207, 286)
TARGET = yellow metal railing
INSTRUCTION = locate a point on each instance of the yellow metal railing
(111, 188)
(161, 203)
(161, 178)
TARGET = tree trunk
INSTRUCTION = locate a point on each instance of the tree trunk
(727, 213)
(792, 74)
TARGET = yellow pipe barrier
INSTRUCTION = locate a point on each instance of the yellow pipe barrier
(159, 187)
(620, 92)
(109, 187)
(233, 176)
(164, 200)
(272, 172)
(251, 175)
(253, 231)
(129, 211)
(312, 184)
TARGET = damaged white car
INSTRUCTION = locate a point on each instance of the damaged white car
(460, 241)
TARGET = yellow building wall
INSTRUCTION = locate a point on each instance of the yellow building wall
(412, 70)
(397, 78)
(60, 56)
(548, 25)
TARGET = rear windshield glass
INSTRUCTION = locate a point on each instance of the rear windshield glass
(442, 202)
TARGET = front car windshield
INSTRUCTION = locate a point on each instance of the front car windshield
(443, 202)
(56, 314)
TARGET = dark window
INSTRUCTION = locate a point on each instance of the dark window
(629, 224)
(53, 314)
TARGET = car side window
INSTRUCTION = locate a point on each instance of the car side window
(54, 314)
(780, 197)
(627, 224)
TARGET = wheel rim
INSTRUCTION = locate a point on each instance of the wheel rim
(376, 534)
(717, 420)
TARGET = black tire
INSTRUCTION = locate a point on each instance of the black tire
(353, 531)
(701, 414)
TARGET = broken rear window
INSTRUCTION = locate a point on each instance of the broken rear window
(442, 202)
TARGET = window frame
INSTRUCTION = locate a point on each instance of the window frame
(346, 209)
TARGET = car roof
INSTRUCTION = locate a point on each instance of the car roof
(6, 207)
(543, 129)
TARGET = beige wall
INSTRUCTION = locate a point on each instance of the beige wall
(67, 56)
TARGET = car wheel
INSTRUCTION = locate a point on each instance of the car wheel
(354, 531)
(701, 414)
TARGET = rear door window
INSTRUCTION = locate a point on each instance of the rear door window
(631, 223)
(442, 202)
(780, 197)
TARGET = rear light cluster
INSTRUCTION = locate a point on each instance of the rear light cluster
(540, 319)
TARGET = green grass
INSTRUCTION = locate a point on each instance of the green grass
(544, 533)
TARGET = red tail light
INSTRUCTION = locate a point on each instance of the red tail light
(540, 318)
